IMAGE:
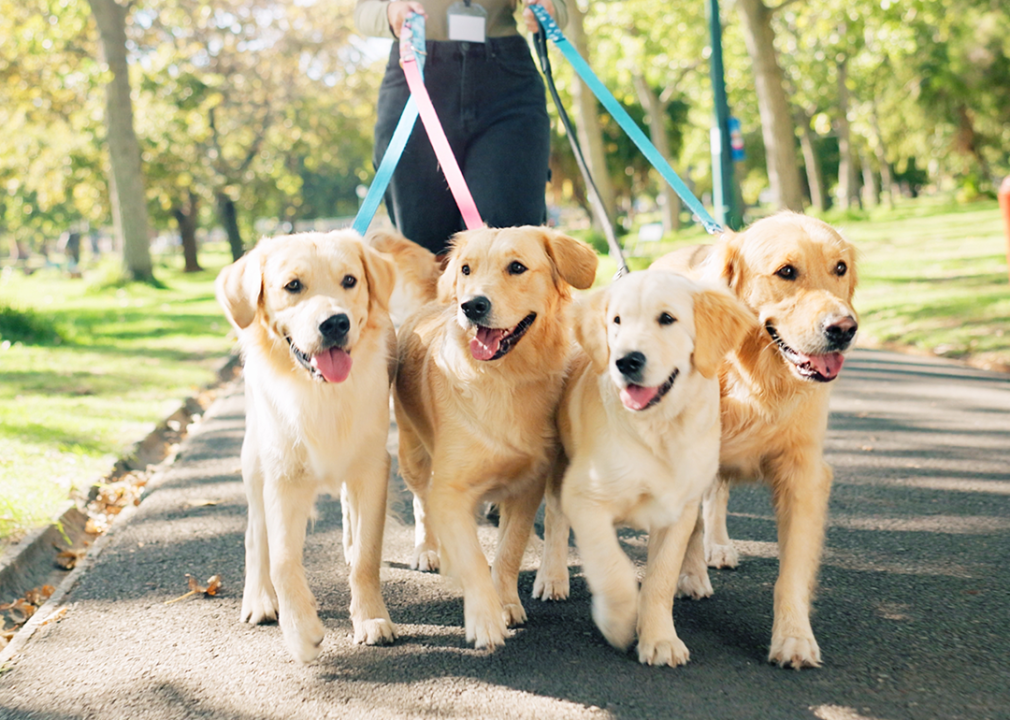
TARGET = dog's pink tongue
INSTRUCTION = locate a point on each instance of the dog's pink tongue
(334, 364)
(828, 365)
(636, 397)
(486, 343)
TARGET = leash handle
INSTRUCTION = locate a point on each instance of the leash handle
(397, 144)
(439, 142)
(551, 29)
(595, 199)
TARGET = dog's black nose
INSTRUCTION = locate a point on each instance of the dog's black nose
(841, 332)
(631, 365)
(477, 308)
(335, 327)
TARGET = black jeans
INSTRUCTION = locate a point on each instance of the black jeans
(490, 100)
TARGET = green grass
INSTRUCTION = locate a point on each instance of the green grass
(935, 279)
(88, 368)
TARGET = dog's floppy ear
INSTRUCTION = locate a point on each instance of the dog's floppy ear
(720, 324)
(575, 260)
(447, 281)
(589, 313)
(724, 264)
(381, 275)
(238, 288)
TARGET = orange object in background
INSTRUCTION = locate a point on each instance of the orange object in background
(1004, 206)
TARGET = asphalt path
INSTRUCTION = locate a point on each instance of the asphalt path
(912, 615)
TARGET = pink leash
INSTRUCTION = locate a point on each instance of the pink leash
(457, 185)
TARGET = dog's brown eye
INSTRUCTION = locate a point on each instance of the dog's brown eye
(516, 268)
(667, 319)
(787, 272)
(348, 282)
(294, 287)
(617, 319)
(841, 268)
(465, 269)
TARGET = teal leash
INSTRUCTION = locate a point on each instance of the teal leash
(397, 143)
(553, 32)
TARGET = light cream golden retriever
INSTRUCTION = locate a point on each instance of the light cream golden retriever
(312, 320)
(479, 375)
(639, 422)
(798, 275)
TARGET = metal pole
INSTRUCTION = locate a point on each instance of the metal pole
(726, 211)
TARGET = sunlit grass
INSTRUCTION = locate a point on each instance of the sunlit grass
(122, 359)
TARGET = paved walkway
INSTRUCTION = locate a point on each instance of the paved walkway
(913, 615)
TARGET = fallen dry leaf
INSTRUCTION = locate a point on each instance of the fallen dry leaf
(195, 588)
(68, 559)
(203, 502)
(19, 611)
(39, 595)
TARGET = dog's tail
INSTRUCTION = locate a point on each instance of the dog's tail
(417, 271)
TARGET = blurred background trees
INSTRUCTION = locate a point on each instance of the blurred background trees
(255, 114)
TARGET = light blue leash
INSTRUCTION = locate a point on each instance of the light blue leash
(396, 145)
(553, 32)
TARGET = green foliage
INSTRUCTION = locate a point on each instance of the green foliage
(28, 327)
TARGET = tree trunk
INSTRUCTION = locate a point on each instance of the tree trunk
(815, 175)
(229, 219)
(129, 202)
(887, 188)
(185, 215)
(871, 195)
(587, 121)
(776, 119)
(848, 184)
(656, 112)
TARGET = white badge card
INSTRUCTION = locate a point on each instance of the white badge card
(467, 22)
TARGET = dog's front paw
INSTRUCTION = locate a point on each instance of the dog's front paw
(486, 627)
(550, 585)
(375, 631)
(696, 586)
(425, 560)
(303, 635)
(796, 652)
(515, 614)
(663, 651)
(259, 605)
(616, 620)
(722, 556)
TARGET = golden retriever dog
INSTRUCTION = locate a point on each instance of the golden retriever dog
(479, 376)
(313, 325)
(797, 274)
(639, 423)
(417, 272)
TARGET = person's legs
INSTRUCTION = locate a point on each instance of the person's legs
(418, 199)
(506, 160)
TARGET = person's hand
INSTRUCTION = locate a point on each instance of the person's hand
(398, 10)
(531, 20)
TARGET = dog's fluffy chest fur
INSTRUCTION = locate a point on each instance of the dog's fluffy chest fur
(761, 420)
(311, 420)
(647, 465)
